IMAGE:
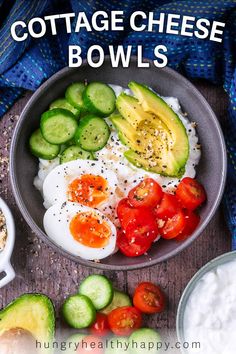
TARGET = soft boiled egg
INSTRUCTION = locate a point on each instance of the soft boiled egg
(80, 230)
(87, 182)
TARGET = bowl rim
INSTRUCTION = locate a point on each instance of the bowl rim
(213, 263)
(39, 232)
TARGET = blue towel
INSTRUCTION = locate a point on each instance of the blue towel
(25, 65)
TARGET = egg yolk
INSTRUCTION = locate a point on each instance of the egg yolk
(90, 230)
(89, 190)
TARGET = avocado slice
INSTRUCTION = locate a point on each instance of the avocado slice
(152, 103)
(131, 110)
(153, 131)
(30, 315)
(127, 134)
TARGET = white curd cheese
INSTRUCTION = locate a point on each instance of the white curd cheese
(210, 314)
(129, 175)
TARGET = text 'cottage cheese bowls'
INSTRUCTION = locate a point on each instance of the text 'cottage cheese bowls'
(207, 309)
(167, 83)
(7, 240)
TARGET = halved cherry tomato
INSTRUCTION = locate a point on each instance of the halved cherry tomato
(168, 207)
(101, 326)
(129, 248)
(191, 193)
(125, 212)
(173, 226)
(149, 298)
(91, 345)
(124, 320)
(147, 193)
(191, 222)
(144, 228)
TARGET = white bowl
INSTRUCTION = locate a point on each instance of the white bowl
(5, 254)
(220, 260)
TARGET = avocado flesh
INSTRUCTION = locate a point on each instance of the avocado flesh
(156, 136)
(127, 134)
(152, 103)
(130, 109)
(33, 313)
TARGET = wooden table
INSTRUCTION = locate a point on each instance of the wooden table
(40, 269)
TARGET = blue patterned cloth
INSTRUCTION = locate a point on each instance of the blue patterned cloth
(25, 65)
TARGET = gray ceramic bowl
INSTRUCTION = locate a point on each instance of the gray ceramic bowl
(211, 170)
(225, 258)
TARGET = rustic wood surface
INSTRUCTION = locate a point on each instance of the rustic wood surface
(40, 269)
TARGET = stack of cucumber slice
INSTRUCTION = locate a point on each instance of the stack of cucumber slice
(74, 126)
(96, 293)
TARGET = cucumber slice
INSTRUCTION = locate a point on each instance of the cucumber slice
(146, 340)
(58, 125)
(39, 147)
(73, 342)
(120, 299)
(99, 289)
(78, 311)
(75, 152)
(99, 99)
(117, 345)
(92, 133)
(63, 103)
(74, 95)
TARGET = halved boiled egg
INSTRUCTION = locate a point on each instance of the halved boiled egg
(90, 183)
(80, 230)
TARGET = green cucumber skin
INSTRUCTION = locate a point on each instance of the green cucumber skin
(70, 317)
(125, 300)
(65, 154)
(88, 102)
(95, 279)
(82, 125)
(64, 104)
(70, 99)
(42, 155)
(144, 335)
(52, 113)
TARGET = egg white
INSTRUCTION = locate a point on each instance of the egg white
(56, 183)
(56, 224)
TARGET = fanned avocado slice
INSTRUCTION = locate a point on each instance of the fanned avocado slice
(24, 321)
(153, 131)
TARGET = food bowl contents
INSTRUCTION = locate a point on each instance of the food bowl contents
(148, 213)
(3, 231)
(80, 230)
(96, 147)
(27, 319)
(210, 313)
(103, 310)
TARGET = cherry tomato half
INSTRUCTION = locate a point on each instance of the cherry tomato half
(125, 212)
(173, 226)
(191, 193)
(149, 298)
(143, 229)
(124, 320)
(129, 248)
(191, 222)
(101, 326)
(91, 345)
(147, 193)
(168, 207)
